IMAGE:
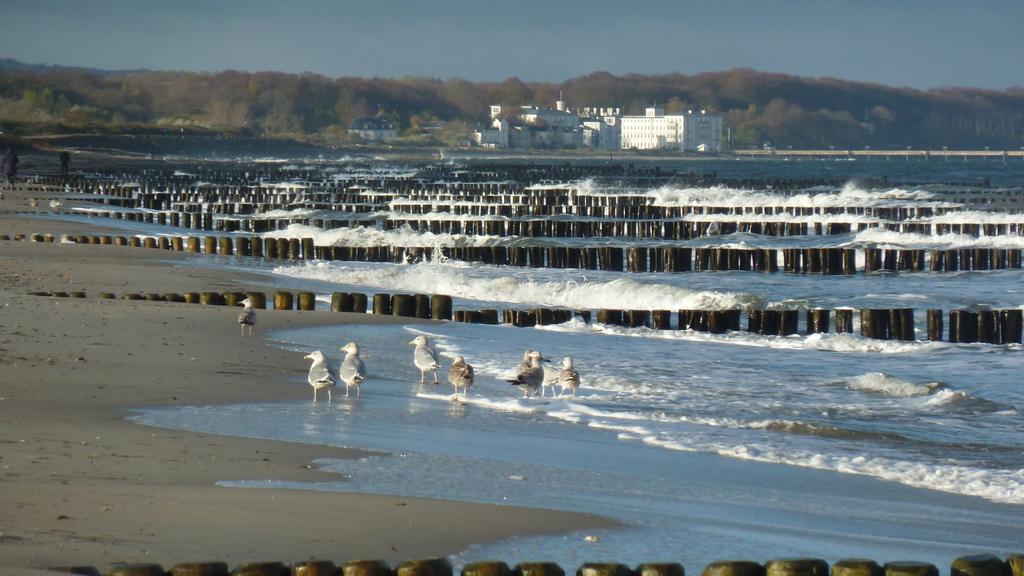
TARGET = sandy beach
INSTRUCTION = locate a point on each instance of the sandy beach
(83, 485)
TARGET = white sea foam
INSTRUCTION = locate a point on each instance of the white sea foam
(370, 237)
(575, 292)
(880, 383)
(881, 238)
(850, 196)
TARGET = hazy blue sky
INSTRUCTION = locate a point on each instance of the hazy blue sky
(919, 43)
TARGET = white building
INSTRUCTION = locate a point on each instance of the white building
(604, 133)
(657, 131)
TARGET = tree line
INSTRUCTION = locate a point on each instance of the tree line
(758, 108)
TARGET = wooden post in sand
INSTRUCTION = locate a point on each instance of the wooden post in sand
(422, 305)
(856, 567)
(137, 570)
(81, 570)
(486, 569)
(427, 567)
(603, 569)
(257, 300)
(341, 302)
(734, 568)
(441, 307)
(365, 568)
(359, 302)
(192, 244)
(538, 569)
(403, 305)
(209, 244)
(283, 300)
(233, 298)
(193, 297)
(660, 569)
(226, 246)
(243, 246)
(262, 569)
(796, 567)
(910, 569)
(661, 319)
(314, 568)
(978, 565)
(211, 299)
(308, 249)
(382, 304)
(307, 301)
(200, 569)
(294, 248)
(817, 321)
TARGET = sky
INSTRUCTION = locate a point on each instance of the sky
(916, 43)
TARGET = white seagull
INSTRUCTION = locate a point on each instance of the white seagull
(530, 378)
(247, 317)
(460, 375)
(550, 376)
(568, 377)
(320, 375)
(352, 370)
(425, 358)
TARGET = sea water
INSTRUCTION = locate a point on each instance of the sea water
(704, 446)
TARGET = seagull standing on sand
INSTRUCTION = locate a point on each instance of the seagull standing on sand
(425, 358)
(247, 317)
(531, 378)
(460, 375)
(568, 377)
(320, 375)
(352, 370)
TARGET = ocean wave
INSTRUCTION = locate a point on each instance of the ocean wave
(880, 383)
(577, 292)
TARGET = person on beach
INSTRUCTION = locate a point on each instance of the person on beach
(10, 167)
(65, 163)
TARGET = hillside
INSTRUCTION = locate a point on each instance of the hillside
(758, 107)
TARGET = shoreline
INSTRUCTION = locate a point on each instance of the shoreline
(85, 485)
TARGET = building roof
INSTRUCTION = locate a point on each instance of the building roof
(371, 123)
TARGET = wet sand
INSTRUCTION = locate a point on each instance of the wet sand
(83, 485)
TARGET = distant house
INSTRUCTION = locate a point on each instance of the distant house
(373, 129)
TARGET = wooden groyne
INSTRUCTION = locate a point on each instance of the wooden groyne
(974, 565)
(828, 261)
(1000, 326)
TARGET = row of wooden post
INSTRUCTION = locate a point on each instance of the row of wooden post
(975, 565)
(829, 261)
(985, 326)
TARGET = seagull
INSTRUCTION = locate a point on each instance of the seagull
(320, 375)
(568, 377)
(550, 376)
(460, 375)
(424, 357)
(531, 378)
(352, 370)
(54, 204)
(247, 317)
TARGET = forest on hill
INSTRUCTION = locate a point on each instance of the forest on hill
(758, 108)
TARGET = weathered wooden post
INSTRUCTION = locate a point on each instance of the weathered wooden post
(341, 302)
(403, 305)
(359, 302)
(486, 569)
(308, 249)
(734, 568)
(428, 567)
(978, 565)
(243, 246)
(261, 569)
(421, 303)
(211, 299)
(307, 301)
(935, 325)
(382, 304)
(856, 567)
(283, 300)
(662, 319)
(817, 321)
(796, 567)
(314, 568)
(192, 244)
(441, 307)
(1010, 326)
(366, 568)
(294, 249)
(140, 569)
(257, 300)
(910, 569)
(603, 569)
(538, 569)
(660, 569)
(233, 298)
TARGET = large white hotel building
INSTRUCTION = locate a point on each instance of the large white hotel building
(657, 131)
